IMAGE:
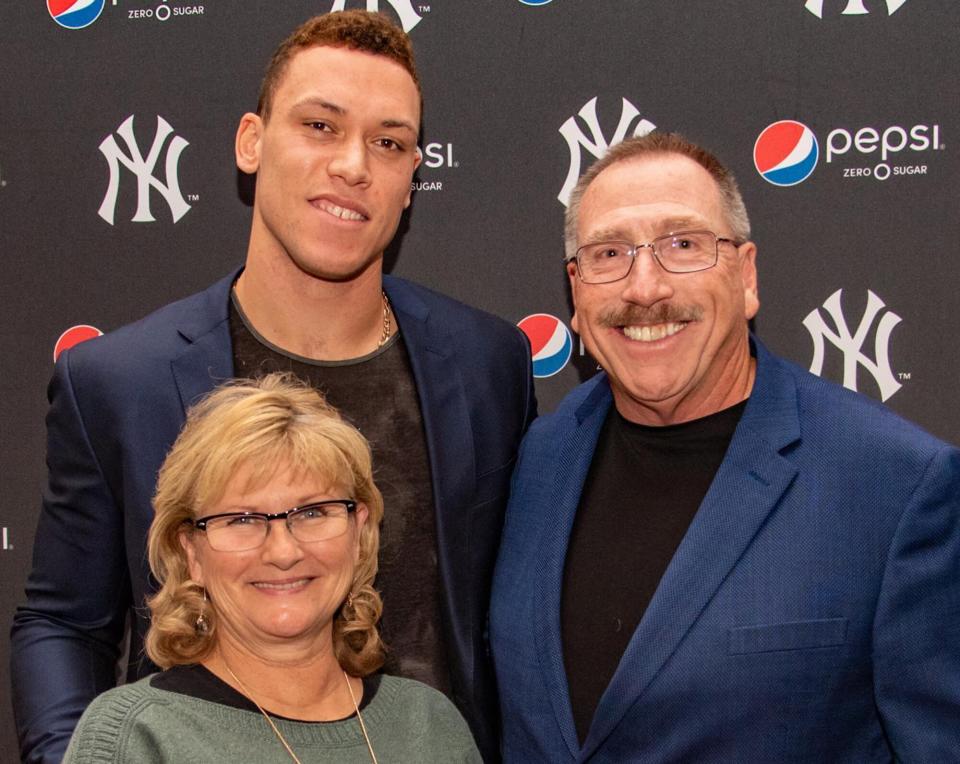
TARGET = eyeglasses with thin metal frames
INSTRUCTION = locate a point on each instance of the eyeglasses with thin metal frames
(588, 276)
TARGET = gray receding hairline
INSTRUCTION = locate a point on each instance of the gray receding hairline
(653, 144)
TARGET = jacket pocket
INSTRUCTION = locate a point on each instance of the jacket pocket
(796, 635)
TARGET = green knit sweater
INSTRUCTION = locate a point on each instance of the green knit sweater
(406, 720)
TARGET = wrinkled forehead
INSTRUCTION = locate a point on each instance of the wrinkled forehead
(650, 196)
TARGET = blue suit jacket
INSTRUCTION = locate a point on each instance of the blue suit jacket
(116, 405)
(810, 614)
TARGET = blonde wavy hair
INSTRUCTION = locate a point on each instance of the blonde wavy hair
(259, 424)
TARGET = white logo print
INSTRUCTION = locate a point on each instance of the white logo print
(409, 18)
(854, 7)
(850, 345)
(143, 169)
(597, 144)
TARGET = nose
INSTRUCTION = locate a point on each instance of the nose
(647, 283)
(349, 162)
(280, 548)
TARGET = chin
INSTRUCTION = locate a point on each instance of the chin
(337, 270)
(288, 633)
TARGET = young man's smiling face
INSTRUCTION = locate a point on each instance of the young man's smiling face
(334, 161)
(675, 345)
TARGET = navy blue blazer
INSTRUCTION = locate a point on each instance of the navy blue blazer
(116, 405)
(810, 614)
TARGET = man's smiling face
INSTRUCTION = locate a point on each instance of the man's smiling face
(674, 345)
(334, 161)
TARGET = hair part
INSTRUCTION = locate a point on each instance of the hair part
(655, 144)
(262, 425)
(363, 31)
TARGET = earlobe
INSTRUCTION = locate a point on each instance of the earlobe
(247, 143)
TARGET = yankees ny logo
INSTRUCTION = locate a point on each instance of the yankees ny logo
(850, 345)
(596, 144)
(143, 169)
(854, 7)
(409, 18)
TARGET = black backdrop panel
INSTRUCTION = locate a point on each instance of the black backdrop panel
(518, 95)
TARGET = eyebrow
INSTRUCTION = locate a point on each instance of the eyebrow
(341, 111)
(606, 234)
(682, 224)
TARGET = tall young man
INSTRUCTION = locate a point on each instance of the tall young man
(443, 391)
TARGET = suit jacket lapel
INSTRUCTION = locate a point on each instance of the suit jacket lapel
(746, 489)
(207, 359)
(450, 448)
(574, 454)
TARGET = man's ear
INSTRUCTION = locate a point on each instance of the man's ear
(748, 274)
(417, 159)
(248, 142)
(572, 275)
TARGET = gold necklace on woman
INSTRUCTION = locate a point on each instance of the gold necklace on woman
(276, 731)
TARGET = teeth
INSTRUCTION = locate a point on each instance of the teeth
(652, 333)
(291, 585)
(342, 212)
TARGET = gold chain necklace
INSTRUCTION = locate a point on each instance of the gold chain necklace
(276, 731)
(385, 334)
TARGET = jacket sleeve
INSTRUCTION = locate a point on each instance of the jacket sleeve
(917, 625)
(65, 639)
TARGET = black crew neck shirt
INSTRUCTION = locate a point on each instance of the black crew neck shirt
(376, 393)
(644, 487)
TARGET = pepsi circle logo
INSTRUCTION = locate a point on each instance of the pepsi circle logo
(535, 2)
(74, 336)
(550, 343)
(786, 153)
(75, 14)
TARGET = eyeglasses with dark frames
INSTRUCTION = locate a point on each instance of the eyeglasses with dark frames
(603, 262)
(308, 523)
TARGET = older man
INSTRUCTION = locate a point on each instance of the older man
(711, 554)
(443, 391)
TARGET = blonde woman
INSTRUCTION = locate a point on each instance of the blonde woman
(265, 548)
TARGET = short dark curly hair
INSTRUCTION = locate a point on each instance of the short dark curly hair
(358, 30)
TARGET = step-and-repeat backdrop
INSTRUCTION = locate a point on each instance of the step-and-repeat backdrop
(118, 191)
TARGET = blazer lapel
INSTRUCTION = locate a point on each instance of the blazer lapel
(574, 454)
(747, 487)
(450, 449)
(207, 360)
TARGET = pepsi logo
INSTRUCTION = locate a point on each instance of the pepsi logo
(550, 343)
(74, 336)
(75, 14)
(786, 153)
